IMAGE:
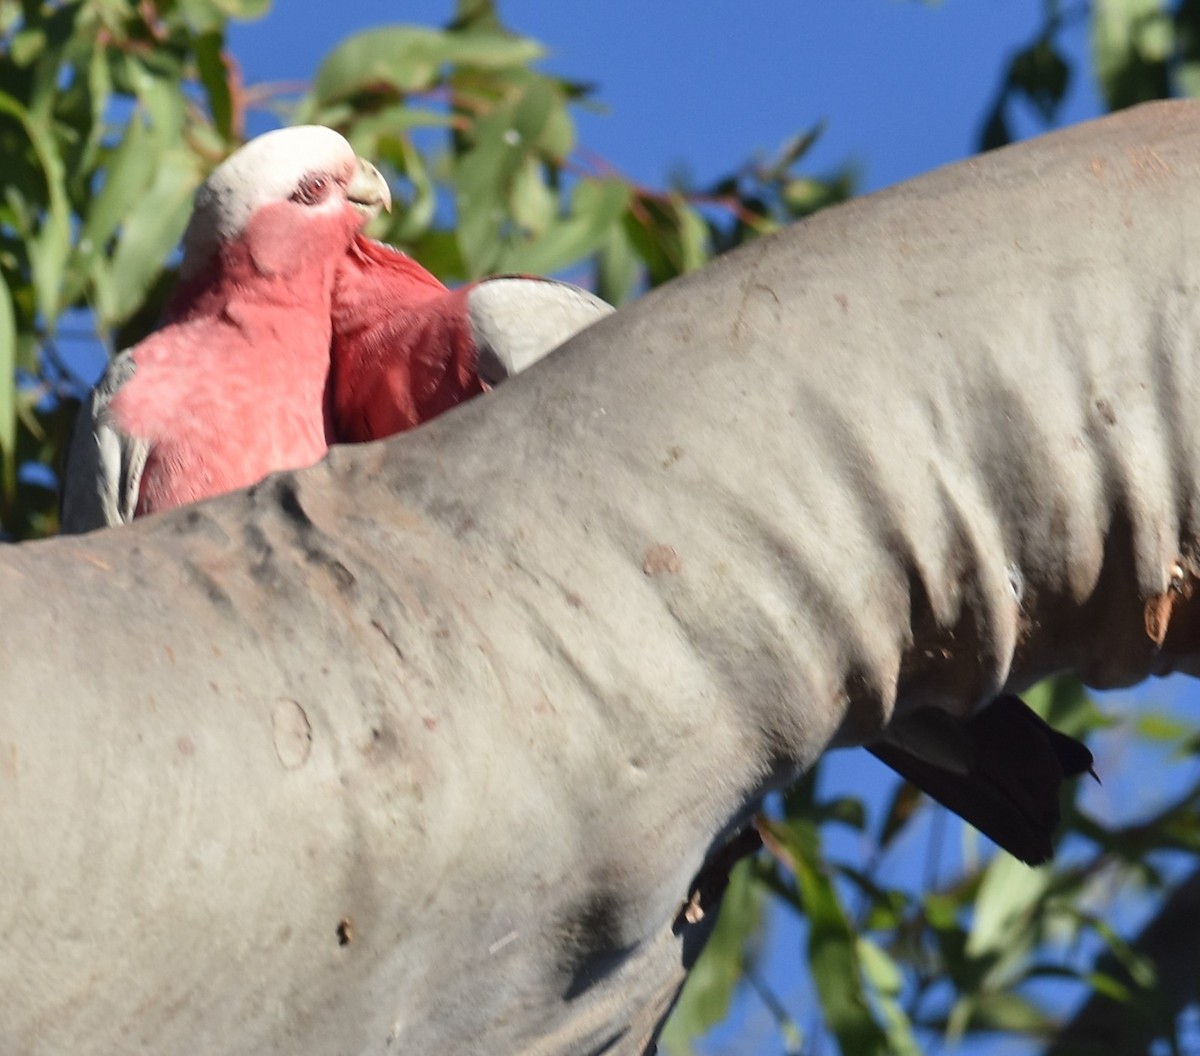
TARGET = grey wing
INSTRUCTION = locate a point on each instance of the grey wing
(104, 465)
(516, 321)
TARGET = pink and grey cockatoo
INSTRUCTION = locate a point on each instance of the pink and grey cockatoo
(237, 385)
(233, 387)
(406, 348)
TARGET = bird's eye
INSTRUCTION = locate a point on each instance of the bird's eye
(312, 189)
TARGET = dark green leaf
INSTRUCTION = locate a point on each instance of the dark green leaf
(1041, 74)
(832, 951)
(1131, 42)
(714, 978)
(214, 75)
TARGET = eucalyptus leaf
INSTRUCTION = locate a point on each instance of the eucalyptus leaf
(710, 987)
(152, 230)
(412, 58)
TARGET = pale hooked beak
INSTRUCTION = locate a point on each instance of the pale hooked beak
(368, 191)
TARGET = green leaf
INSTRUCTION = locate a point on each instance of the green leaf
(50, 246)
(414, 218)
(618, 266)
(127, 173)
(596, 209)
(901, 810)
(1009, 891)
(411, 58)
(159, 93)
(997, 1010)
(1041, 74)
(711, 984)
(693, 237)
(532, 204)
(1131, 42)
(1157, 726)
(26, 46)
(214, 75)
(153, 230)
(887, 979)
(843, 810)
(832, 946)
(439, 251)
(380, 133)
(244, 9)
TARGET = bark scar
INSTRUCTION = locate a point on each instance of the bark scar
(1160, 607)
(710, 883)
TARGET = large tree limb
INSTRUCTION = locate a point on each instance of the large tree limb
(421, 749)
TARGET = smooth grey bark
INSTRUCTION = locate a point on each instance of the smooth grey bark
(420, 750)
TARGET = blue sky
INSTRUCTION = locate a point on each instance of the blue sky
(902, 84)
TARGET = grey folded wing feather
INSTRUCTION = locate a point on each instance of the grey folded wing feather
(516, 321)
(1001, 770)
(104, 464)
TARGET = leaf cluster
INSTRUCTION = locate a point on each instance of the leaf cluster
(113, 111)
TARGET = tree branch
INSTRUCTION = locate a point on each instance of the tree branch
(422, 749)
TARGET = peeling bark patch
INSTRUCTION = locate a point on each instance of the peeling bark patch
(345, 931)
(1148, 165)
(660, 560)
(1159, 608)
(292, 733)
(708, 886)
(1157, 615)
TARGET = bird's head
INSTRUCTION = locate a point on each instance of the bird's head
(285, 199)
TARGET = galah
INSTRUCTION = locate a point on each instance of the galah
(406, 348)
(232, 388)
(1001, 770)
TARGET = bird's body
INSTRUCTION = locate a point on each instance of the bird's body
(406, 348)
(1002, 769)
(189, 401)
(402, 351)
(232, 388)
